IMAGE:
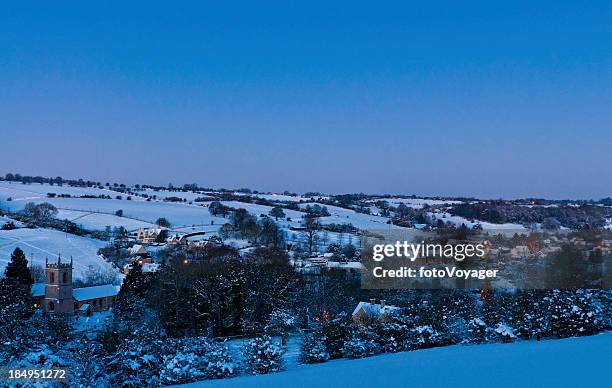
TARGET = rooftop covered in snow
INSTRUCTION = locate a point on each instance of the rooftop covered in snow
(88, 293)
(375, 310)
(38, 289)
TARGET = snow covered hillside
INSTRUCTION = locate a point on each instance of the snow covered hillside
(256, 210)
(571, 362)
(179, 214)
(24, 192)
(5, 220)
(39, 243)
(457, 221)
(418, 203)
(99, 221)
(161, 194)
(340, 215)
(280, 197)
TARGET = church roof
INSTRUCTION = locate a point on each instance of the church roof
(88, 293)
(38, 289)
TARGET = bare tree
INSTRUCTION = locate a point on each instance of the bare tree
(311, 226)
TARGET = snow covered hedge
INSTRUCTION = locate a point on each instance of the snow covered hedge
(147, 361)
(313, 349)
(263, 356)
(196, 359)
(361, 343)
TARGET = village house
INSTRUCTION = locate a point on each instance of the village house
(56, 295)
(175, 240)
(313, 267)
(366, 312)
(147, 236)
(520, 251)
(350, 269)
(147, 267)
(183, 239)
(139, 251)
(139, 254)
(324, 262)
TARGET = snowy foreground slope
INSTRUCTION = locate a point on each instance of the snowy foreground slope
(571, 362)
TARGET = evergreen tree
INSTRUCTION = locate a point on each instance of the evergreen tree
(335, 332)
(16, 306)
(573, 313)
(478, 331)
(130, 306)
(393, 336)
(263, 356)
(56, 327)
(195, 358)
(504, 333)
(530, 319)
(313, 349)
(18, 270)
(497, 308)
(423, 337)
(135, 281)
(360, 344)
(281, 323)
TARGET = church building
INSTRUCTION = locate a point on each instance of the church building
(60, 297)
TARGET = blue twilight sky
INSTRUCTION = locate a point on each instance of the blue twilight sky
(484, 98)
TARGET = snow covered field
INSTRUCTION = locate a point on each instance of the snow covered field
(39, 243)
(139, 213)
(418, 203)
(256, 210)
(279, 197)
(99, 221)
(324, 238)
(179, 214)
(96, 214)
(161, 194)
(571, 362)
(457, 221)
(19, 191)
(4, 220)
(339, 215)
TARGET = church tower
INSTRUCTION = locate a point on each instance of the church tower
(58, 287)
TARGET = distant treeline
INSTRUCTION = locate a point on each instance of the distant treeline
(27, 179)
(584, 216)
(355, 201)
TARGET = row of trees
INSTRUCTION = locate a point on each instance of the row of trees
(246, 226)
(586, 216)
(27, 179)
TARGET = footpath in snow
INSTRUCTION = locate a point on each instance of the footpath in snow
(571, 362)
